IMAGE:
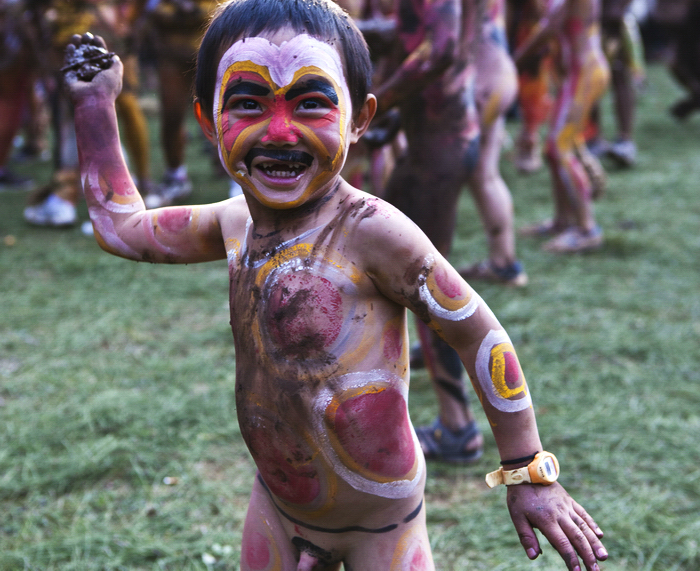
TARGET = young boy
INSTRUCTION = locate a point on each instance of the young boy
(321, 275)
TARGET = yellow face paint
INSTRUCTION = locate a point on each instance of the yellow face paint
(292, 97)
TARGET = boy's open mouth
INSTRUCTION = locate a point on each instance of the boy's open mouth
(277, 163)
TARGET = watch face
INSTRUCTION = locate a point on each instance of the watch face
(547, 469)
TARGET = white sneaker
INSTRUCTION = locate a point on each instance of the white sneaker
(172, 190)
(623, 152)
(54, 211)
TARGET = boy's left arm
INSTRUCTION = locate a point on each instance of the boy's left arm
(407, 269)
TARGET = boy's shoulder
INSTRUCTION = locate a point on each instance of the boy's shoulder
(378, 225)
(371, 210)
(232, 213)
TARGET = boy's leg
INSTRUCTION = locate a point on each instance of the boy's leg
(407, 548)
(135, 125)
(175, 60)
(266, 546)
(496, 89)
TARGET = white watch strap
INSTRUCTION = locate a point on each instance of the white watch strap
(519, 476)
(507, 477)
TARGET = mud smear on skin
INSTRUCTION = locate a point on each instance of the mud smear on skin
(309, 346)
(338, 226)
(415, 275)
(286, 221)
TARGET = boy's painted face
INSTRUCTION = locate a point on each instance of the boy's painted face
(282, 116)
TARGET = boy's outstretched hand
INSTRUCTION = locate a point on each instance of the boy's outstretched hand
(565, 524)
(90, 70)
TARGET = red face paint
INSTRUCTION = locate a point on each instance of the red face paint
(289, 92)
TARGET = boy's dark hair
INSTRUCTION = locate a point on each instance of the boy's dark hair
(321, 19)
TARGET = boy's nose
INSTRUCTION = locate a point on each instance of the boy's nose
(281, 131)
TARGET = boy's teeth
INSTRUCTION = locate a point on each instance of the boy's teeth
(290, 170)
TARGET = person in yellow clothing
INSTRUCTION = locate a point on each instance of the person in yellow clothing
(175, 27)
(55, 203)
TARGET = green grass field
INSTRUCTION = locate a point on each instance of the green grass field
(119, 445)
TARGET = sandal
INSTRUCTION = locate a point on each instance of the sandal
(512, 275)
(542, 229)
(440, 443)
(575, 240)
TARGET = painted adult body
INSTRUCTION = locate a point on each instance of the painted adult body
(433, 87)
(321, 276)
(584, 78)
(496, 90)
(535, 79)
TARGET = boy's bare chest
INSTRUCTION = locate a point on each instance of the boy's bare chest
(299, 301)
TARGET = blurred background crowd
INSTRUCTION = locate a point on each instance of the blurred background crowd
(157, 41)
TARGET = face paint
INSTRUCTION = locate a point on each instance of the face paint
(367, 436)
(445, 296)
(500, 375)
(271, 101)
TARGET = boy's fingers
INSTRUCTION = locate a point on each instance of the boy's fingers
(583, 540)
(558, 538)
(528, 539)
(593, 534)
(99, 42)
(589, 520)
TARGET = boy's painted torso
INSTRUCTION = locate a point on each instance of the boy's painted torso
(321, 404)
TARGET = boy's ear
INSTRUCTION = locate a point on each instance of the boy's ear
(364, 118)
(205, 123)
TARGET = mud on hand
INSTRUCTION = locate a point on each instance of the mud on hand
(87, 59)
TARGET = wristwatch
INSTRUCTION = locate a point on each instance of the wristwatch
(544, 469)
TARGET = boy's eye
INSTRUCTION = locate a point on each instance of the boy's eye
(243, 106)
(246, 105)
(313, 105)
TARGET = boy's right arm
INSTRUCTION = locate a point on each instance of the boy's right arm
(407, 269)
(123, 226)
